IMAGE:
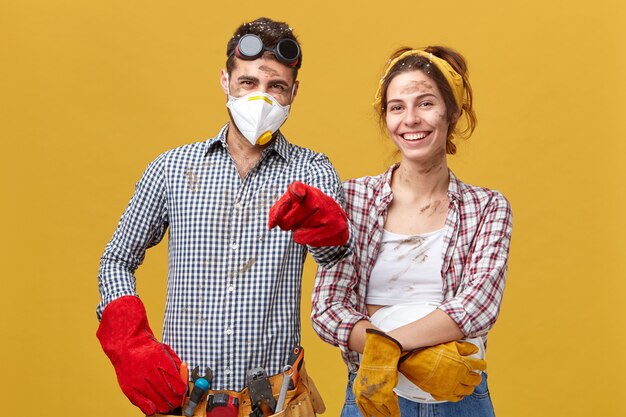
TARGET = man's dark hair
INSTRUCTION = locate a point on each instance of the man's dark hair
(270, 32)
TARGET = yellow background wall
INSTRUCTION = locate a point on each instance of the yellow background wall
(92, 91)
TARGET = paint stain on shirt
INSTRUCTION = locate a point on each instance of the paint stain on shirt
(403, 250)
(192, 179)
(248, 265)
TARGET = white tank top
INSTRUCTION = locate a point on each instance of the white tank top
(407, 270)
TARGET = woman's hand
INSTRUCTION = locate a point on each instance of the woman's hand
(378, 376)
(444, 371)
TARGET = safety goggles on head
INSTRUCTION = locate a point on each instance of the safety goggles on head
(250, 47)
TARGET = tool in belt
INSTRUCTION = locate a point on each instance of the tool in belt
(201, 385)
(264, 396)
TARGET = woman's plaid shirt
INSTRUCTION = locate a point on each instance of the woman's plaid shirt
(476, 248)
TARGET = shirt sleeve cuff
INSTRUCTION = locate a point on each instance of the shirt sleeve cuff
(345, 328)
(455, 310)
(105, 301)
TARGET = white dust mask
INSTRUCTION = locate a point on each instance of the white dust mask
(257, 115)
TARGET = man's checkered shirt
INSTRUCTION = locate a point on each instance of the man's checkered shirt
(233, 297)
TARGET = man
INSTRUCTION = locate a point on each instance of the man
(233, 296)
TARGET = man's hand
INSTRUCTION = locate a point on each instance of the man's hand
(378, 376)
(444, 371)
(315, 218)
(147, 371)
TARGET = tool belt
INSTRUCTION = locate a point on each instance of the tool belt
(302, 401)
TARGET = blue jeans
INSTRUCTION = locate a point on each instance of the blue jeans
(478, 404)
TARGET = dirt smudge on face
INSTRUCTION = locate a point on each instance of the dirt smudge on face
(271, 72)
(416, 87)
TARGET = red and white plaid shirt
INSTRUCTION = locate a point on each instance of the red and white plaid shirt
(476, 249)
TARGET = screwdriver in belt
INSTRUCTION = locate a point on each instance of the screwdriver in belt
(200, 386)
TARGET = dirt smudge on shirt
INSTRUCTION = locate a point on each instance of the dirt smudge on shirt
(192, 178)
(248, 265)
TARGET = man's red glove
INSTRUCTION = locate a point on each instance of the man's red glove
(147, 370)
(315, 218)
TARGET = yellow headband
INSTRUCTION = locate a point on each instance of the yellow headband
(454, 79)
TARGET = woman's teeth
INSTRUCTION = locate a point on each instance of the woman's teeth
(414, 136)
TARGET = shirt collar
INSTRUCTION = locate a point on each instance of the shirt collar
(220, 138)
(454, 188)
(386, 196)
(279, 144)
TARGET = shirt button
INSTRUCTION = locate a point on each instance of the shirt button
(227, 371)
(234, 246)
(231, 288)
(229, 331)
(237, 205)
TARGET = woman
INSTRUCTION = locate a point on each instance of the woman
(430, 256)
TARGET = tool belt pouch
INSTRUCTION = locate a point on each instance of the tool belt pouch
(302, 401)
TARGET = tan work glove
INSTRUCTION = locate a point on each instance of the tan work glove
(444, 371)
(378, 376)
